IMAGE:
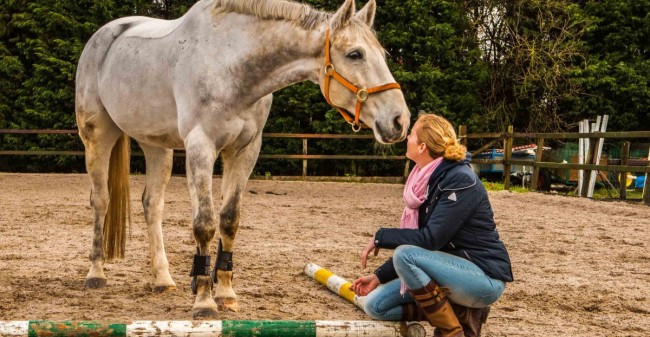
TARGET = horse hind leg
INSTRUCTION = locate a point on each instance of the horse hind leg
(237, 167)
(159, 168)
(99, 135)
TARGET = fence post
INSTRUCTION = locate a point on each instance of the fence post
(646, 185)
(601, 125)
(406, 170)
(536, 168)
(462, 134)
(590, 155)
(507, 155)
(625, 153)
(304, 161)
(581, 154)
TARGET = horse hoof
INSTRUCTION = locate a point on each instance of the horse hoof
(95, 283)
(205, 313)
(163, 289)
(229, 304)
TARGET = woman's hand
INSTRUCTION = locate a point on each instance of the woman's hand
(365, 284)
(370, 246)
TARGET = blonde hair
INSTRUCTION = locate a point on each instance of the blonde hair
(439, 137)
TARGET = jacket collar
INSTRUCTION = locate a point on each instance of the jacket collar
(445, 166)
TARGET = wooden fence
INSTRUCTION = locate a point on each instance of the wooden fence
(304, 156)
(503, 139)
(590, 162)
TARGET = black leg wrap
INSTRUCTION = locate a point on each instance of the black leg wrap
(224, 262)
(201, 265)
(224, 259)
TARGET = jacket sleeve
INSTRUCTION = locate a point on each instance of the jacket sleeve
(386, 272)
(453, 209)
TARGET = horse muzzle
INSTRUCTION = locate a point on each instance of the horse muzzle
(392, 130)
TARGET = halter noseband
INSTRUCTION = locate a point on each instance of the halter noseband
(362, 94)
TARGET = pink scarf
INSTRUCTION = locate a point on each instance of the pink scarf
(414, 195)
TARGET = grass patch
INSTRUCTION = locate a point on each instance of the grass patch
(497, 186)
(599, 193)
(602, 193)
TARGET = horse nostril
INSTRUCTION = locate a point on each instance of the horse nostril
(397, 125)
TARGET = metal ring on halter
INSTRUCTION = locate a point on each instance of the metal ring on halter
(355, 127)
(329, 68)
(362, 95)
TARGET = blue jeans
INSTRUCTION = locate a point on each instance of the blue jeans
(417, 267)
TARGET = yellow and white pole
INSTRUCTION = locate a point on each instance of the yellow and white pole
(340, 286)
(336, 284)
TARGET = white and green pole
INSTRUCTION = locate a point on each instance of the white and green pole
(210, 328)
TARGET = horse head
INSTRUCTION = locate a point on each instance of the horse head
(355, 77)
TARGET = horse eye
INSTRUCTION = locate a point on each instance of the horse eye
(355, 55)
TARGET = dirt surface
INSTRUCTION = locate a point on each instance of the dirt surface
(582, 267)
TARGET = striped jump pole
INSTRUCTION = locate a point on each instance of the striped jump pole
(341, 287)
(335, 283)
(211, 328)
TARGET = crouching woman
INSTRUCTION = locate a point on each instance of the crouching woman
(449, 264)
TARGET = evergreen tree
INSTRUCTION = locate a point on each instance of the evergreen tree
(617, 71)
(537, 64)
(433, 56)
(40, 45)
(12, 71)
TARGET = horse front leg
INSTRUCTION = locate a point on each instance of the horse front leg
(159, 169)
(237, 167)
(201, 155)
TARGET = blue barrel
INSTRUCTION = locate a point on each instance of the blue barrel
(640, 180)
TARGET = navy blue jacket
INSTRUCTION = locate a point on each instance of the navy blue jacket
(455, 218)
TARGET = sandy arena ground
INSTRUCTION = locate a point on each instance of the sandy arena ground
(582, 268)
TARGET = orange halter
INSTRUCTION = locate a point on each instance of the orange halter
(362, 94)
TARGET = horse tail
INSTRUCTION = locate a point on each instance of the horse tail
(119, 208)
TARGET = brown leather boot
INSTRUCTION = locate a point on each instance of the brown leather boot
(432, 300)
(411, 313)
(471, 319)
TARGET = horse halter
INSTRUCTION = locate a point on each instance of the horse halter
(362, 94)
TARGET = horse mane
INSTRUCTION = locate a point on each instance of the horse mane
(304, 14)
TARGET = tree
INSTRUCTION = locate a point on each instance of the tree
(12, 71)
(40, 45)
(534, 52)
(539, 65)
(434, 57)
(430, 54)
(617, 67)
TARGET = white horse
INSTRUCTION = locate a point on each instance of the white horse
(204, 83)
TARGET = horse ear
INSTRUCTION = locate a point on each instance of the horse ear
(367, 13)
(343, 15)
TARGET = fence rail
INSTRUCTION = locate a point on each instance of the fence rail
(506, 138)
(304, 156)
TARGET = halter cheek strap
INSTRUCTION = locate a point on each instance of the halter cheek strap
(362, 94)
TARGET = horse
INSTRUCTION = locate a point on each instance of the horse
(204, 83)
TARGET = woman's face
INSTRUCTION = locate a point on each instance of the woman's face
(413, 145)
